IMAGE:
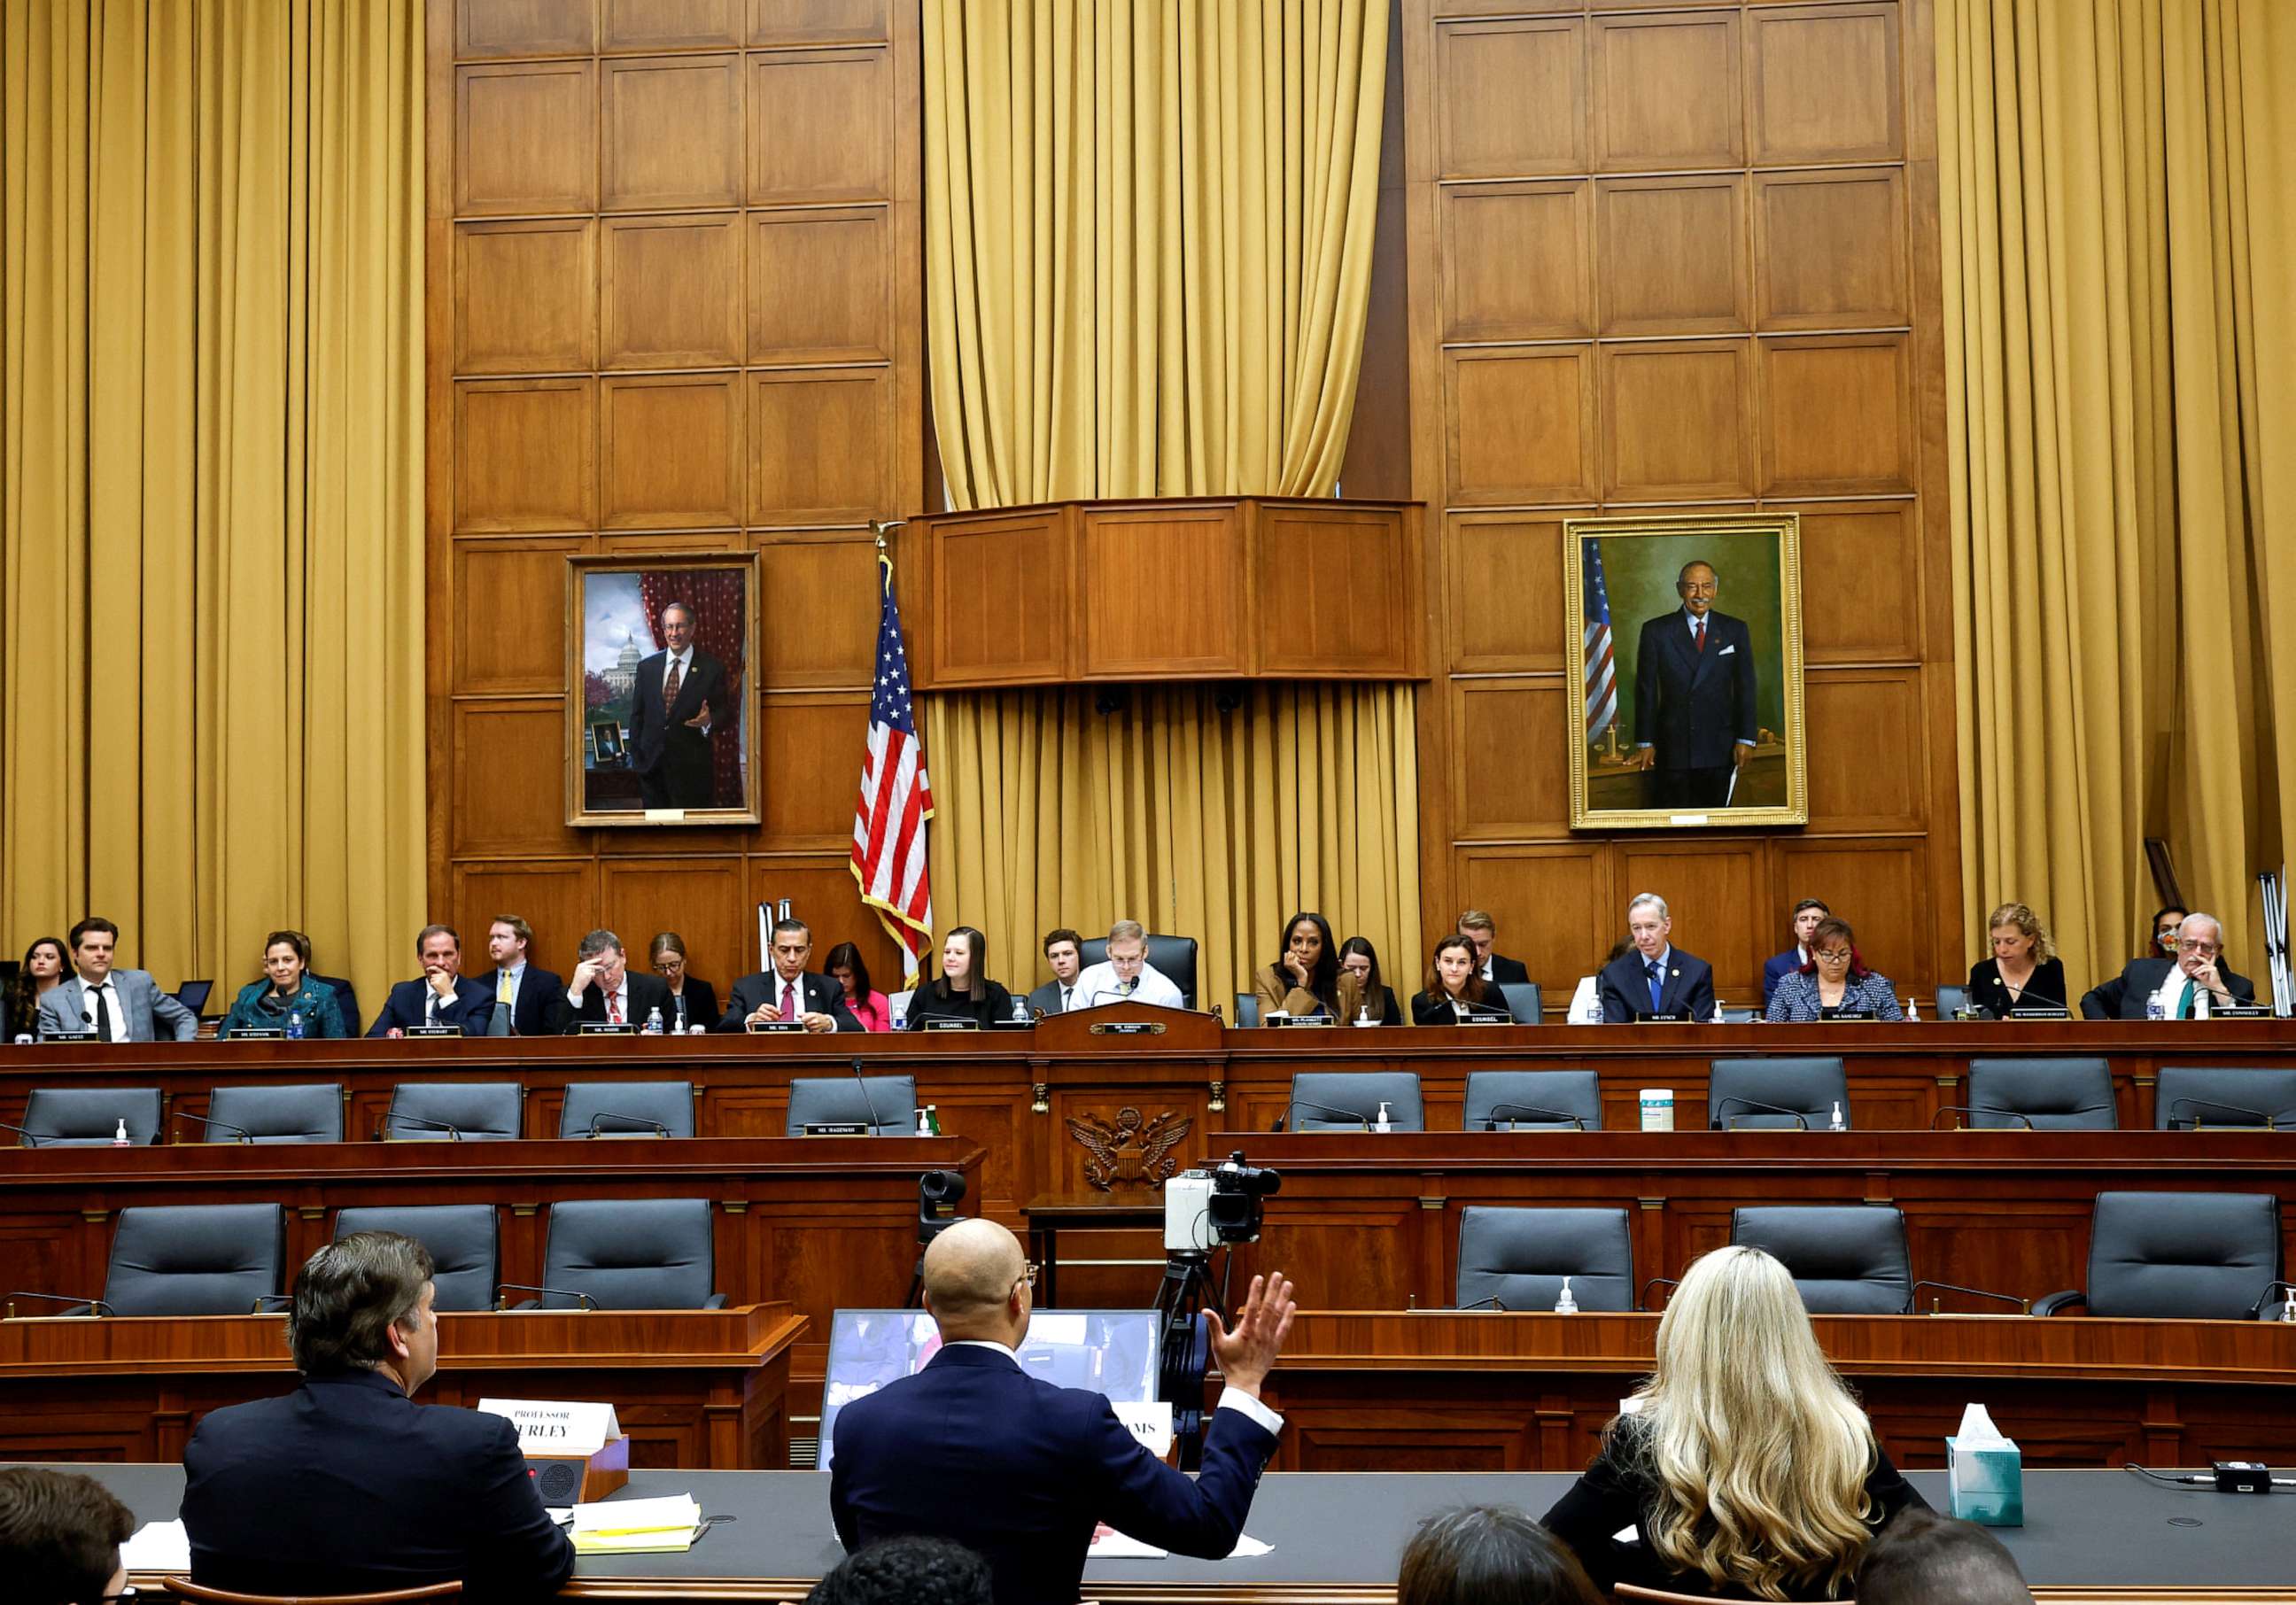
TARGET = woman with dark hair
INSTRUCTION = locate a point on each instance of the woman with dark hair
(44, 969)
(288, 994)
(1307, 978)
(1835, 981)
(1359, 959)
(1490, 1555)
(1455, 989)
(962, 990)
(691, 1002)
(2168, 920)
(872, 1008)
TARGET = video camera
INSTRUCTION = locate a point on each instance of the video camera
(1204, 1208)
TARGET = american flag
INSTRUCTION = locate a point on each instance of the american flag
(1600, 668)
(889, 823)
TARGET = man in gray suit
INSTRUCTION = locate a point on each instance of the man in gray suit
(118, 1005)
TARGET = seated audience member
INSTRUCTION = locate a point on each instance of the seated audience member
(962, 990)
(907, 1571)
(1065, 952)
(1359, 959)
(1453, 991)
(525, 993)
(1483, 931)
(1924, 1559)
(1307, 978)
(603, 989)
(973, 1449)
(1126, 976)
(1835, 981)
(871, 1009)
(1747, 1470)
(59, 1537)
(789, 990)
(118, 1005)
(346, 1486)
(691, 1002)
(1490, 1555)
(1807, 914)
(2024, 968)
(1657, 978)
(442, 997)
(2177, 985)
(291, 991)
(42, 970)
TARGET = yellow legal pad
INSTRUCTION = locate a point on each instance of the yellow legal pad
(638, 1527)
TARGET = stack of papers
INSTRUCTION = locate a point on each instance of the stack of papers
(638, 1527)
(160, 1546)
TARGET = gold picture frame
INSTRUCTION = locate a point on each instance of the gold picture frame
(1660, 724)
(628, 761)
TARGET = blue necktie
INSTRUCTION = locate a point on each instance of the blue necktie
(1658, 988)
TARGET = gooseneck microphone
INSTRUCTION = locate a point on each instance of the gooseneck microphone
(31, 1138)
(655, 1127)
(867, 1102)
(1963, 1109)
(239, 1131)
(96, 1306)
(1491, 1303)
(2257, 1114)
(1800, 1120)
(1357, 1115)
(1491, 1119)
(397, 1119)
(502, 1303)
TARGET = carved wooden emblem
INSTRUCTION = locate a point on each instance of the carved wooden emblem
(1133, 1152)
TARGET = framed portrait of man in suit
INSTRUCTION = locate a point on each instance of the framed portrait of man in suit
(661, 723)
(1685, 633)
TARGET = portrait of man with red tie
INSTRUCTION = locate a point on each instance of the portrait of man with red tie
(1694, 684)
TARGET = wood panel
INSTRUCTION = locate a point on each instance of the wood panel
(641, 897)
(526, 138)
(558, 898)
(1518, 262)
(1509, 786)
(520, 27)
(1861, 582)
(1554, 905)
(1490, 127)
(1675, 255)
(525, 296)
(1839, 415)
(526, 454)
(1832, 248)
(668, 292)
(512, 637)
(999, 585)
(1643, 120)
(816, 21)
(820, 285)
(1710, 893)
(809, 761)
(1826, 84)
(669, 24)
(1677, 421)
(1191, 619)
(820, 445)
(821, 126)
(1504, 574)
(1520, 425)
(670, 448)
(1865, 740)
(670, 132)
(1338, 592)
(827, 581)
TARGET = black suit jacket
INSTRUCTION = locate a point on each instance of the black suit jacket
(474, 1000)
(645, 992)
(1624, 986)
(346, 1486)
(972, 1449)
(531, 1010)
(1694, 707)
(1506, 971)
(2046, 987)
(700, 1003)
(821, 995)
(661, 745)
(2123, 996)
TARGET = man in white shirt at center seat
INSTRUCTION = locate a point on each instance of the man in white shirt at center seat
(1127, 977)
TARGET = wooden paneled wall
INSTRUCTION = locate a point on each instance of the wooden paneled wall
(674, 289)
(1681, 258)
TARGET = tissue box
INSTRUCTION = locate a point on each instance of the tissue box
(1987, 1485)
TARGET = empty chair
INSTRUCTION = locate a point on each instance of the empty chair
(475, 1111)
(2177, 1256)
(2056, 1094)
(886, 1104)
(1349, 1101)
(631, 1254)
(1172, 957)
(277, 1114)
(463, 1240)
(1847, 1260)
(1811, 1087)
(615, 1108)
(195, 1259)
(2190, 1096)
(1519, 1257)
(89, 1117)
(1951, 1000)
(1247, 1008)
(1523, 1002)
(193, 994)
(1533, 1101)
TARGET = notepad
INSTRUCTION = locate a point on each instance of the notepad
(158, 1547)
(638, 1527)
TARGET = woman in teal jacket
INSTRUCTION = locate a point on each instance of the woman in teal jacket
(288, 993)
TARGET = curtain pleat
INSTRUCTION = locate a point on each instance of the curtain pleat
(212, 425)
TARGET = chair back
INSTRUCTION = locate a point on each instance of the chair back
(1565, 1092)
(1522, 1001)
(482, 1111)
(1951, 1000)
(2183, 1256)
(1359, 1092)
(623, 1106)
(464, 1241)
(2056, 1094)
(195, 1259)
(1520, 1257)
(1172, 957)
(631, 1254)
(886, 1104)
(310, 1113)
(1847, 1260)
(1247, 1008)
(183, 1588)
(2191, 1095)
(1809, 1086)
(86, 1116)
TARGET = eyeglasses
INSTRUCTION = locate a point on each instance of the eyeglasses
(1838, 955)
(1027, 1275)
(2194, 945)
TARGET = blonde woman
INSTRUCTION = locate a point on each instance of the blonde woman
(1747, 1470)
(2024, 968)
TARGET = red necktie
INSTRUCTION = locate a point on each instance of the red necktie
(614, 1007)
(1698, 632)
(789, 1000)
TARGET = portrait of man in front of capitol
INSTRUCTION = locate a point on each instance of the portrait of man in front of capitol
(1686, 634)
(659, 725)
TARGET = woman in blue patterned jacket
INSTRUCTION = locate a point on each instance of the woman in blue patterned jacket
(288, 993)
(1835, 981)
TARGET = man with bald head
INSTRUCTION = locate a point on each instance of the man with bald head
(974, 1450)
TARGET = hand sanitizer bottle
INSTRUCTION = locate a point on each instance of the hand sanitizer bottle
(1913, 1012)
(925, 1124)
(1363, 1016)
(653, 1022)
(1717, 1020)
(119, 1138)
(1383, 1121)
(1837, 1123)
(1565, 1304)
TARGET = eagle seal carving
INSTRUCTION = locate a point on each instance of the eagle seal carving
(1134, 1151)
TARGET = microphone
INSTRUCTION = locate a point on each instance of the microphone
(1357, 1115)
(31, 1138)
(453, 1135)
(1490, 1303)
(1487, 1010)
(867, 1102)
(2287, 1310)
(1963, 1109)
(1491, 1120)
(1658, 1282)
(2262, 1118)
(242, 1132)
(502, 1303)
(96, 1306)
(1800, 1120)
(2024, 1306)
(2026, 999)
(655, 1127)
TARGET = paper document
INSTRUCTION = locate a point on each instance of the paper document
(158, 1547)
(638, 1527)
(1109, 1545)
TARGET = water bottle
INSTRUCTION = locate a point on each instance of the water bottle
(1383, 1121)
(653, 1022)
(295, 1025)
(1837, 1123)
(2154, 1008)
(1020, 1012)
(1565, 1304)
(119, 1138)
(932, 1113)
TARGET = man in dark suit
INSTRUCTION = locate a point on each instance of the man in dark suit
(346, 1486)
(1065, 952)
(523, 990)
(789, 990)
(603, 989)
(1483, 931)
(2198, 970)
(441, 997)
(1657, 978)
(679, 697)
(1693, 696)
(974, 1450)
(1807, 914)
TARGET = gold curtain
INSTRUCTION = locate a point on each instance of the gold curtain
(211, 434)
(2119, 197)
(1148, 229)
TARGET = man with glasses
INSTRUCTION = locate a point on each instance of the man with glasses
(1126, 976)
(60, 1538)
(2195, 982)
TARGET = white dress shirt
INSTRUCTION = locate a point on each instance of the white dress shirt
(116, 1015)
(620, 1010)
(1231, 1398)
(1100, 984)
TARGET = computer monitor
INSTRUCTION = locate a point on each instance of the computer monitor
(1110, 1352)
